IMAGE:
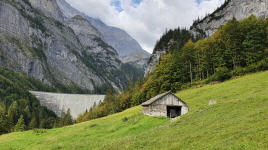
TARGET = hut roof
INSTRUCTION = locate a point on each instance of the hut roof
(150, 101)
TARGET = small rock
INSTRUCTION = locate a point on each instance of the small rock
(212, 102)
(199, 86)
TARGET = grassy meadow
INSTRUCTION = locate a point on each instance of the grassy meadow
(239, 121)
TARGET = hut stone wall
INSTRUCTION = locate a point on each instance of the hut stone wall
(159, 107)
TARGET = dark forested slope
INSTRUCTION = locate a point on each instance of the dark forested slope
(16, 102)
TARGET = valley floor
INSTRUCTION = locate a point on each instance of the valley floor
(238, 121)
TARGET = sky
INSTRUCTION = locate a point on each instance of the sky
(146, 20)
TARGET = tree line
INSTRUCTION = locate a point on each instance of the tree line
(19, 110)
(236, 48)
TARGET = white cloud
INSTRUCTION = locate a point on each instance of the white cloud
(147, 21)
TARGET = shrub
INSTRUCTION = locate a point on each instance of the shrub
(259, 66)
(221, 74)
(239, 71)
(125, 119)
(39, 131)
(93, 125)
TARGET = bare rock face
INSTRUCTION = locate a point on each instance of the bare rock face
(84, 30)
(155, 57)
(48, 7)
(104, 56)
(35, 40)
(139, 58)
(12, 24)
(154, 60)
(238, 9)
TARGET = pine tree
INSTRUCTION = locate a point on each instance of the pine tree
(254, 33)
(5, 125)
(33, 124)
(13, 112)
(27, 114)
(68, 118)
(20, 126)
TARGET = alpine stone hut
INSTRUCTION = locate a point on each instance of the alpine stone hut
(166, 104)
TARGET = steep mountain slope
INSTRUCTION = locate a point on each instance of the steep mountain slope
(49, 8)
(128, 48)
(82, 28)
(35, 40)
(238, 121)
(230, 9)
(207, 26)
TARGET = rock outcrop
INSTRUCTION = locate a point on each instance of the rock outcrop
(153, 61)
(35, 40)
(238, 9)
(48, 7)
(60, 103)
(83, 28)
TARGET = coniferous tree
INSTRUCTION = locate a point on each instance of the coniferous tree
(67, 119)
(5, 125)
(232, 40)
(20, 126)
(125, 98)
(137, 94)
(254, 33)
(13, 112)
(33, 123)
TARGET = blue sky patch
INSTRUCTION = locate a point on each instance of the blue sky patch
(199, 1)
(136, 1)
(117, 5)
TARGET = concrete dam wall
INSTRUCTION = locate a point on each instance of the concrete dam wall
(60, 103)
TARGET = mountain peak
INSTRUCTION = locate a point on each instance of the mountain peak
(120, 40)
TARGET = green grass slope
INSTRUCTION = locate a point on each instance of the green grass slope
(238, 121)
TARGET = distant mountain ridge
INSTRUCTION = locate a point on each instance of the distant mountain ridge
(127, 47)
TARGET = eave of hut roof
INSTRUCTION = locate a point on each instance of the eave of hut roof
(150, 101)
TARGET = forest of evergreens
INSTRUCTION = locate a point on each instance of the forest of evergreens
(19, 110)
(235, 49)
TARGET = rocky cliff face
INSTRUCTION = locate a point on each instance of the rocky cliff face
(128, 48)
(153, 61)
(239, 9)
(48, 7)
(35, 40)
(155, 57)
(84, 29)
